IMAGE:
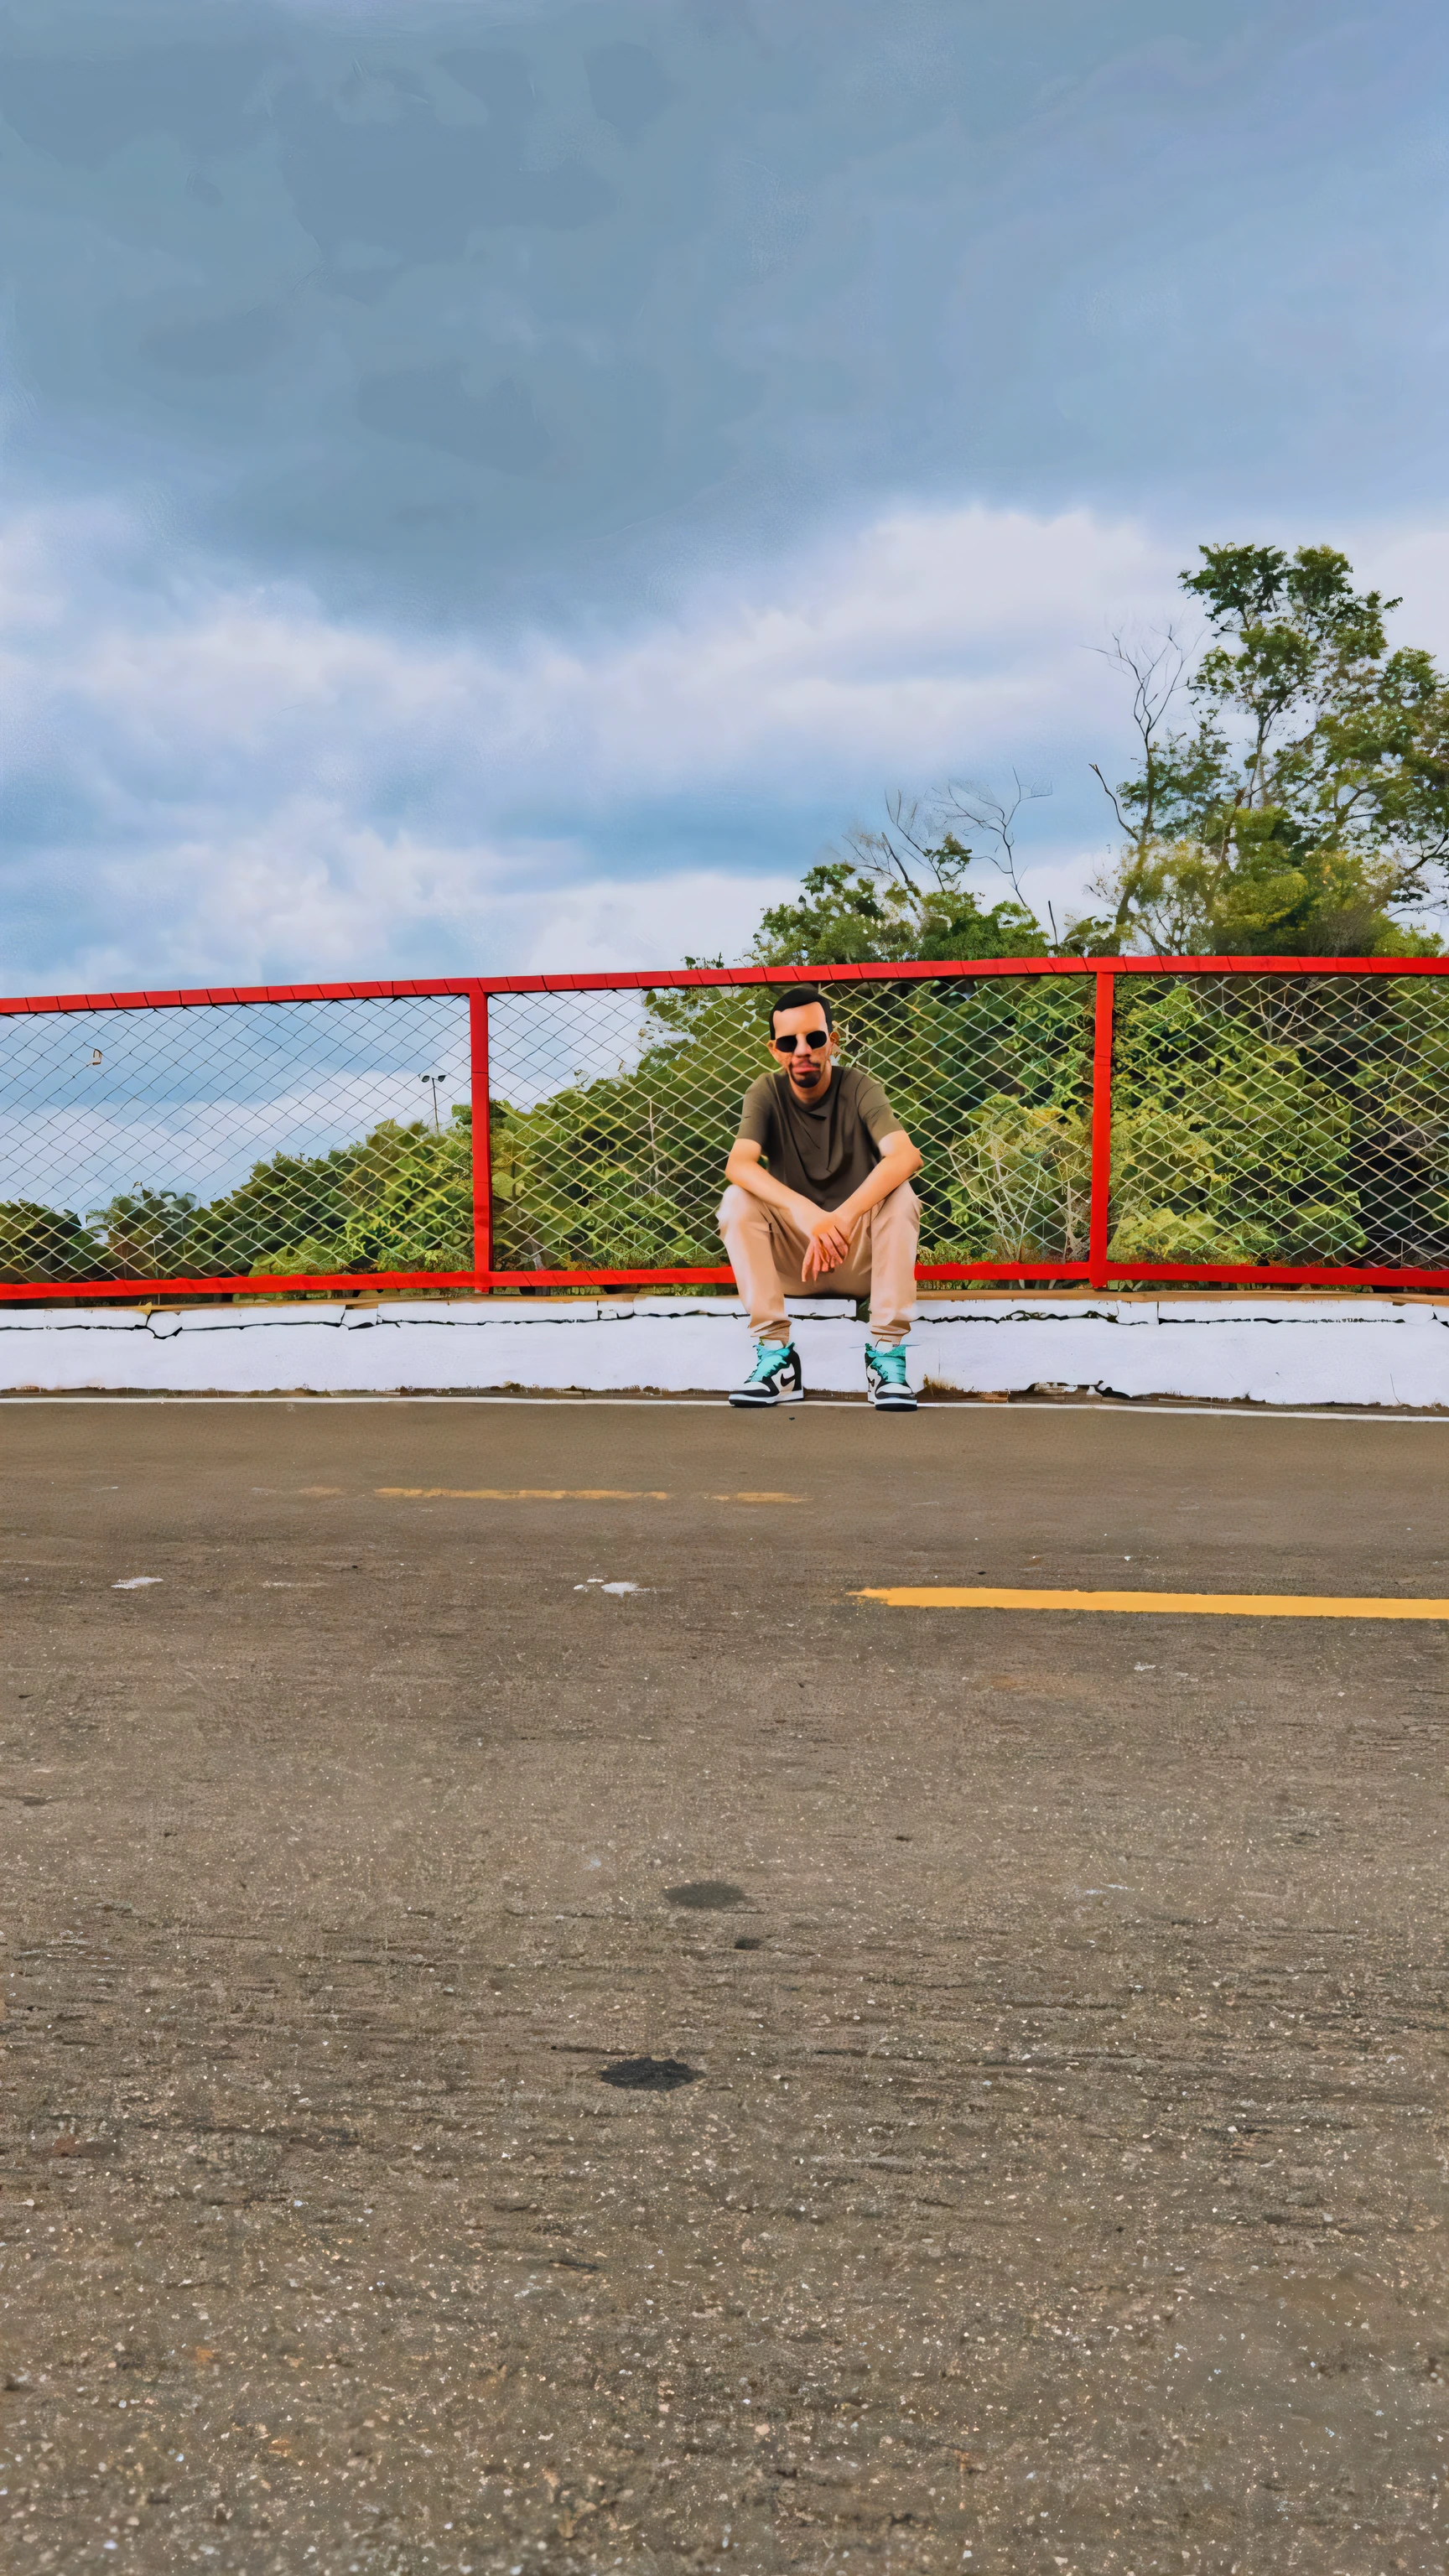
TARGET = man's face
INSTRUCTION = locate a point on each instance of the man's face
(808, 1066)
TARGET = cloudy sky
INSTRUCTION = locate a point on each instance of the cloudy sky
(505, 486)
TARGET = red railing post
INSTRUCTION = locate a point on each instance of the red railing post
(1101, 1131)
(482, 1147)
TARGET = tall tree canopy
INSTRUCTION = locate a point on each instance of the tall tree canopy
(1304, 808)
(1290, 798)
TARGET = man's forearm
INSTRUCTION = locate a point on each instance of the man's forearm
(761, 1184)
(889, 1173)
(893, 1168)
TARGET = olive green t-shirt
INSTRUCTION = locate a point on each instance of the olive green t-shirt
(824, 1151)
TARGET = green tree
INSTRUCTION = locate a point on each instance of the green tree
(628, 1170)
(287, 1216)
(846, 916)
(39, 1243)
(411, 1194)
(146, 1233)
(1304, 810)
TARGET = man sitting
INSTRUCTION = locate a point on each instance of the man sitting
(834, 1205)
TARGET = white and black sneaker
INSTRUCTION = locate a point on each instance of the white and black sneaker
(885, 1376)
(775, 1377)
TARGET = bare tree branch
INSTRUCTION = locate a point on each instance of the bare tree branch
(1156, 674)
(1108, 793)
(923, 848)
(901, 851)
(982, 811)
(1157, 665)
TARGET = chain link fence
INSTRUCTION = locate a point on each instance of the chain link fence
(228, 1141)
(1244, 1123)
(1276, 1120)
(613, 1114)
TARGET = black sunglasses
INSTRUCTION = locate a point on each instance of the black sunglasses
(802, 1037)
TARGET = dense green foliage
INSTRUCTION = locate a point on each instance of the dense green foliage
(401, 1200)
(629, 1170)
(1255, 1120)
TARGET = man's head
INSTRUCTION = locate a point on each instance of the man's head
(802, 1040)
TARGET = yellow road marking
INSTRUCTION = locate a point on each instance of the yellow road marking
(518, 1494)
(1231, 1605)
(555, 1494)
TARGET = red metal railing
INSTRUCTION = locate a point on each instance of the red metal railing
(1278, 1107)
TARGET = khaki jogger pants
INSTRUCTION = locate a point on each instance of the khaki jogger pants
(766, 1249)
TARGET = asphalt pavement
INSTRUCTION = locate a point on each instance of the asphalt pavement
(546, 2032)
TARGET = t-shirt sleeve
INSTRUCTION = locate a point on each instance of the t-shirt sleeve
(757, 1112)
(875, 1111)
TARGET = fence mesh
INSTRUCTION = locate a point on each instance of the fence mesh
(276, 1138)
(1259, 1120)
(1264, 1119)
(613, 1113)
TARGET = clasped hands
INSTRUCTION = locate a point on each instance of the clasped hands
(828, 1246)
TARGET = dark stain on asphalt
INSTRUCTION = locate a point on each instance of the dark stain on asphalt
(707, 1895)
(649, 2074)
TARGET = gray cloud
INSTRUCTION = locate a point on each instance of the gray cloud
(627, 87)
(222, 347)
(82, 112)
(509, 318)
(742, 268)
(414, 185)
(430, 404)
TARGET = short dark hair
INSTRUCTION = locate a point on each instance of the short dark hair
(798, 997)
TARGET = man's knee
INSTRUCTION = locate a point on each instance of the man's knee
(901, 1206)
(735, 1205)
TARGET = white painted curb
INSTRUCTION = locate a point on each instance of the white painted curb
(1259, 1350)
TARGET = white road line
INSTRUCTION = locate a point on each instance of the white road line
(1127, 1410)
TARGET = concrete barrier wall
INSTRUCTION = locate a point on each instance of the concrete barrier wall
(1263, 1350)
